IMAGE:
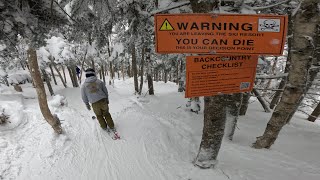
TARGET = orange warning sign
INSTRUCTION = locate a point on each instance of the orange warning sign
(214, 74)
(220, 33)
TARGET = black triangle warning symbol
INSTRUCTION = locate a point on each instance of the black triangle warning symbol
(166, 26)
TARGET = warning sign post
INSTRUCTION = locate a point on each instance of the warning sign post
(214, 74)
(220, 33)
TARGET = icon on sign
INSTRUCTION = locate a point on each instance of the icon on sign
(269, 25)
(166, 26)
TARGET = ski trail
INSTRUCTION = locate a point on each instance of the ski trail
(85, 151)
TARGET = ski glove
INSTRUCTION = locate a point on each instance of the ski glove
(88, 107)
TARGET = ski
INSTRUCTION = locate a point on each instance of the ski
(113, 134)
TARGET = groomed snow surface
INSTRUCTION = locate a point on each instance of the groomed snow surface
(160, 139)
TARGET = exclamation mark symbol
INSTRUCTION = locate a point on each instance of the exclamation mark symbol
(166, 25)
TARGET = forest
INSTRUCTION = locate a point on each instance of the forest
(46, 46)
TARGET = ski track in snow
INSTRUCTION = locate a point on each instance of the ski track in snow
(157, 142)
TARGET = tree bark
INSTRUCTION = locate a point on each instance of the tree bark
(134, 67)
(42, 98)
(81, 71)
(74, 75)
(62, 80)
(53, 76)
(103, 75)
(213, 131)
(244, 104)
(64, 74)
(149, 74)
(315, 114)
(47, 80)
(141, 70)
(261, 100)
(214, 110)
(283, 82)
(233, 110)
(306, 21)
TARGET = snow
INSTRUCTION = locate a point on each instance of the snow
(20, 77)
(160, 140)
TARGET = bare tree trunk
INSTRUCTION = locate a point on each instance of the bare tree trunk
(103, 75)
(165, 76)
(46, 78)
(81, 70)
(244, 104)
(62, 80)
(122, 69)
(134, 67)
(149, 74)
(315, 114)
(74, 75)
(64, 74)
(261, 100)
(111, 73)
(214, 110)
(213, 131)
(92, 64)
(306, 21)
(177, 74)
(141, 70)
(53, 76)
(42, 97)
(233, 110)
(283, 82)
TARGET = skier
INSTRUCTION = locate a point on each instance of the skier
(95, 92)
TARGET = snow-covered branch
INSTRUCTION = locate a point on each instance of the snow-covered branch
(170, 8)
(266, 7)
(277, 76)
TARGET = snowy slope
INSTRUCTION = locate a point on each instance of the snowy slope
(160, 139)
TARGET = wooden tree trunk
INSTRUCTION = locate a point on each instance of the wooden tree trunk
(46, 78)
(42, 97)
(53, 76)
(103, 75)
(64, 74)
(74, 75)
(134, 67)
(93, 66)
(165, 76)
(315, 114)
(213, 131)
(81, 70)
(177, 74)
(149, 73)
(122, 69)
(233, 110)
(100, 74)
(214, 110)
(261, 100)
(62, 80)
(244, 104)
(141, 70)
(283, 82)
(111, 73)
(306, 21)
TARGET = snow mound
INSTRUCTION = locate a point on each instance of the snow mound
(19, 78)
(58, 101)
(11, 106)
